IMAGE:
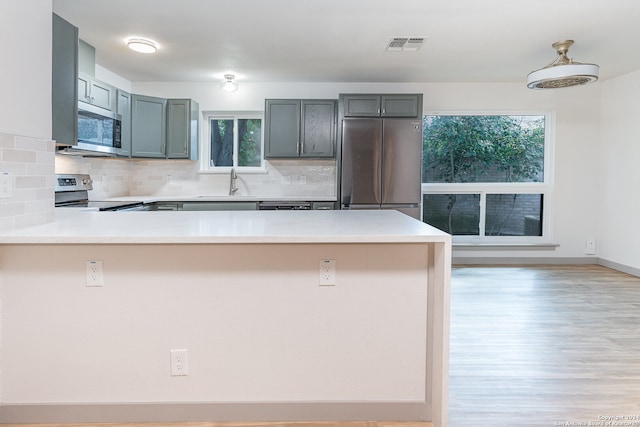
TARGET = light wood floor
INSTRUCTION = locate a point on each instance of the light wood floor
(530, 346)
(540, 346)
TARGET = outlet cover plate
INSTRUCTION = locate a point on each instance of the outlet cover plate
(179, 363)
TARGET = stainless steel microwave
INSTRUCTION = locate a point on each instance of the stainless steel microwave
(99, 130)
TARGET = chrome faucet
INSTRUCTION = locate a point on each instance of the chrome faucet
(232, 182)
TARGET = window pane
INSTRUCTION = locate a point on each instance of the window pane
(513, 215)
(249, 142)
(456, 214)
(483, 148)
(221, 142)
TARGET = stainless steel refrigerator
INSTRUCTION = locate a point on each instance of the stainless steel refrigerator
(381, 164)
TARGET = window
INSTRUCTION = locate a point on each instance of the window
(486, 178)
(235, 140)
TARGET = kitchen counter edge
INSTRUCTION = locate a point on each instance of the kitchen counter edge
(78, 226)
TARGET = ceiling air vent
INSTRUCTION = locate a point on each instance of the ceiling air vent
(405, 44)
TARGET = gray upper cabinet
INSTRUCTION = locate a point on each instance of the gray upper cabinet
(361, 105)
(182, 129)
(409, 105)
(123, 107)
(297, 128)
(148, 127)
(282, 128)
(96, 93)
(64, 89)
(318, 128)
(162, 128)
(388, 105)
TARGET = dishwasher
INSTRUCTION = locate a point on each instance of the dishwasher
(284, 206)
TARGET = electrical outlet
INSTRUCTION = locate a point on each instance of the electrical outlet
(6, 185)
(590, 246)
(179, 365)
(327, 272)
(95, 276)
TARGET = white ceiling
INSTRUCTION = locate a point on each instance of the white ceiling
(345, 40)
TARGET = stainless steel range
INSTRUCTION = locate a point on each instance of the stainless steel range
(72, 190)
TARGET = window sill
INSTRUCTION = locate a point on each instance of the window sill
(509, 246)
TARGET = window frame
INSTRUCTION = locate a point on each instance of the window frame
(205, 150)
(544, 187)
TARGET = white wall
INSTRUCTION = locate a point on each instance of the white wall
(619, 153)
(26, 149)
(25, 74)
(361, 340)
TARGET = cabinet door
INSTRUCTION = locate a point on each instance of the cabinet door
(84, 88)
(148, 129)
(409, 105)
(102, 95)
(182, 129)
(361, 105)
(123, 107)
(318, 128)
(64, 75)
(282, 128)
(177, 128)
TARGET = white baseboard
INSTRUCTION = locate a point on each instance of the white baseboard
(523, 260)
(620, 267)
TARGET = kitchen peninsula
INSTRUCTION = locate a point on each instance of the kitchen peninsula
(267, 337)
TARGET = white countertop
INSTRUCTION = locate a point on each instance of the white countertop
(81, 226)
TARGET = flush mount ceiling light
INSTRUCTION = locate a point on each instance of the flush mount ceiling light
(142, 45)
(229, 84)
(563, 72)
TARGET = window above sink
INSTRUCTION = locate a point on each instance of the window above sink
(234, 140)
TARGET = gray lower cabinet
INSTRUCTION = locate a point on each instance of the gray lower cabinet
(96, 93)
(182, 129)
(64, 76)
(219, 206)
(223, 205)
(324, 206)
(163, 206)
(299, 128)
(123, 107)
(382, 105)
(148, 127)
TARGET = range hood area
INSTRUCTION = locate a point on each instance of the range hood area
(83, 150)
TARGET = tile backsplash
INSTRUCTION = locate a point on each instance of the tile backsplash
(122, 177)
(111, 177)
(28, 165)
